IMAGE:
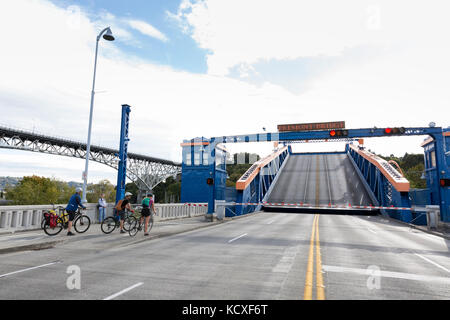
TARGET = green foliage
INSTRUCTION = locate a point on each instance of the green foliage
(235, 170)
(132, 188)
(412, 166)
(168, 191)
(94, 191)
(39, 190)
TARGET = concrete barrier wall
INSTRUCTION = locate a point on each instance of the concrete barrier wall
(19, 218)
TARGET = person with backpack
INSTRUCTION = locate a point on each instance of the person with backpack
(72, 207)
(121, 208)
(147, 209)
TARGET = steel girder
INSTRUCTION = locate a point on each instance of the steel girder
(145, 171)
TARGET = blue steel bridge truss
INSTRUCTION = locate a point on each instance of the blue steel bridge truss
(379, 177)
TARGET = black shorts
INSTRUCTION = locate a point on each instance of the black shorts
(121, 214)
(71, 215)
(145, 212)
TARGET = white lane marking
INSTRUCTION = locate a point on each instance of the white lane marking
(432, 262)
(389, 274)
(124, 291)
(28, 269)
(242, 235)
(271, 221)
(373, 231)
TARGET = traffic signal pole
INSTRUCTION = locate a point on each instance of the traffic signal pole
(123, 152)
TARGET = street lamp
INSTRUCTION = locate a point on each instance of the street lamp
(107, 35)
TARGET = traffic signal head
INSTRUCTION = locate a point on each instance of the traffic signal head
(210, 181)
(338, 133)
(391, 131)
(445, 182)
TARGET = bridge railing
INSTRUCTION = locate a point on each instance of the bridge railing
(21, 218)
(255, 183)
(387, 186)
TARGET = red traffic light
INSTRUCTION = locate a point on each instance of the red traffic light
(338, 133)
(401, 130)
(210, 181)
(445, 182)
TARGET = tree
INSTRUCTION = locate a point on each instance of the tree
(94, 191)
(132, 188)
(412, 166)
(36, 190)
(168, 191)
(236, 170)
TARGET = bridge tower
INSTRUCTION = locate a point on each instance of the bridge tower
(204, 172)
(437, 172)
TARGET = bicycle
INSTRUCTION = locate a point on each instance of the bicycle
(81, 223)
(112, 223)
(139, 224)
(60, 209)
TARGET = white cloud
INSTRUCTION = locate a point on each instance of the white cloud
(46, 82)
(248, 31)
(47, 77)
(147, 29)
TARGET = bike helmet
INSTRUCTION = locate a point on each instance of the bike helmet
(79, 189)
(128, 194)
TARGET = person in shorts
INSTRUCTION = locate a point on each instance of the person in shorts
(72, 207)
(147, 209)
(121, 208)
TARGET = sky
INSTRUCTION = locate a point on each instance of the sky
(213, 68)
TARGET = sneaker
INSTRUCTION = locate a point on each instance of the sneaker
(70, 233)
(145, 234)
(121, 231)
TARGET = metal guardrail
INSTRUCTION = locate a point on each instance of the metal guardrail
(22, 218)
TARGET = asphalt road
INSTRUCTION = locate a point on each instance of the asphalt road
(319, 180)
(268, 255)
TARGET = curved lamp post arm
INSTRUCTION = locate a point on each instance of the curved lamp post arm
(107, 35)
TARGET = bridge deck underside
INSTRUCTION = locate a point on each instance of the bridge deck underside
(317, 181)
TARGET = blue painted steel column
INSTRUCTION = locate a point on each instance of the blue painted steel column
(442, 170)
(212, 188)
(123, 152)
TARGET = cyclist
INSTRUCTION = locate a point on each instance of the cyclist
(72, 207)
(121, 206)
(147, 209)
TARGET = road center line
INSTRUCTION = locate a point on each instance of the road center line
(124, 291)
(307, 295)
(28, 269)
(241, 236)
(432, 262)
(319, 277)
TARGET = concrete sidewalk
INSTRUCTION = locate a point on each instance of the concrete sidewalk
(442, 231)
(94, 238)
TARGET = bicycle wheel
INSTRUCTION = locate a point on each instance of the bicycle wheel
(134, 228)
(43, 223)
(150, 224)
(128, 223)
(53, 231)
(82, 224)
(109, 225)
